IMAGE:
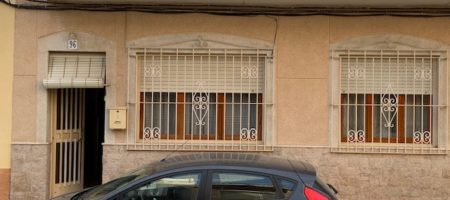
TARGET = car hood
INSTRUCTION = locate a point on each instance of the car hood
(66, 196)
(70, 195)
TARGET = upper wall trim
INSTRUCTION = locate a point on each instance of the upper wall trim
(389, 41)
(199, 40)
(87, 42)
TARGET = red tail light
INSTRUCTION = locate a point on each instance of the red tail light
(312, 194)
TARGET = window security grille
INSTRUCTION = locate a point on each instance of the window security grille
(390, 101)
(207, 99)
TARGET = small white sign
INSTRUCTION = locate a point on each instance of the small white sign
(72, 44)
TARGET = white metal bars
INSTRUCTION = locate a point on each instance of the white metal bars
(67, 143)
(390, 101)
(202, 99)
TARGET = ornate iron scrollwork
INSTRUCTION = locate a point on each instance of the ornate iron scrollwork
(152, 133)
(356, 136)
(248, 134)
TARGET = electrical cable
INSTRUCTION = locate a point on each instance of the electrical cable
(238, 10)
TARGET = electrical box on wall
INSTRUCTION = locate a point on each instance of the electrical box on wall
(118, 118)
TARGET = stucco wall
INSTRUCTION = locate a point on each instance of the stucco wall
(6, 77)
(302, 45)
(302, 77)
(6, 80)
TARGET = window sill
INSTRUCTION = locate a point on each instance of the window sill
(192, 145)
(383, 148)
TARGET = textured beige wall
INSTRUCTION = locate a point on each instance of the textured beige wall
(144, 25)
(342, 28)
(6, 89)
(6, 80)
(302, 80)
(302, 60)
(24, 93)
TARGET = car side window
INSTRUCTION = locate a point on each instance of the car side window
(286, 187)
(241, 186)
(177, 187)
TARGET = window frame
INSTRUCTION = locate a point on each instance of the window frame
(272, 177)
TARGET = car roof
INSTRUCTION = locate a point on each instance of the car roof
(231, 159)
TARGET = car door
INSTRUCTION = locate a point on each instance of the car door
(175, 186)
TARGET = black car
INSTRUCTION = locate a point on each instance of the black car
(215, 176)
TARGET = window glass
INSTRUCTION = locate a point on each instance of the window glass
(160, 108)
(239, 186)
(286, 186)
(241, 112)
(179, 187)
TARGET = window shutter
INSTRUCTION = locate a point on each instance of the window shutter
(76, 70)
(202, 73)
(394, 75)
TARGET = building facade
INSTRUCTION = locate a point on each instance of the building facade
(364, 99)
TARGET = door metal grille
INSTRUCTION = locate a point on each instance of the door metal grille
(67, 126)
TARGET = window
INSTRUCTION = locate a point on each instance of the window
(179, 187)
(287, 187)
(221, 95)
(235, 186)
(389, 96)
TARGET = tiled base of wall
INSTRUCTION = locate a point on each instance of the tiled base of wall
(30, 172)
(356, 176)
(4, 183)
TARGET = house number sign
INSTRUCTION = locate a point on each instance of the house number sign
(72, 44)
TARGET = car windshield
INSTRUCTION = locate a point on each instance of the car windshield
(102, 190)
